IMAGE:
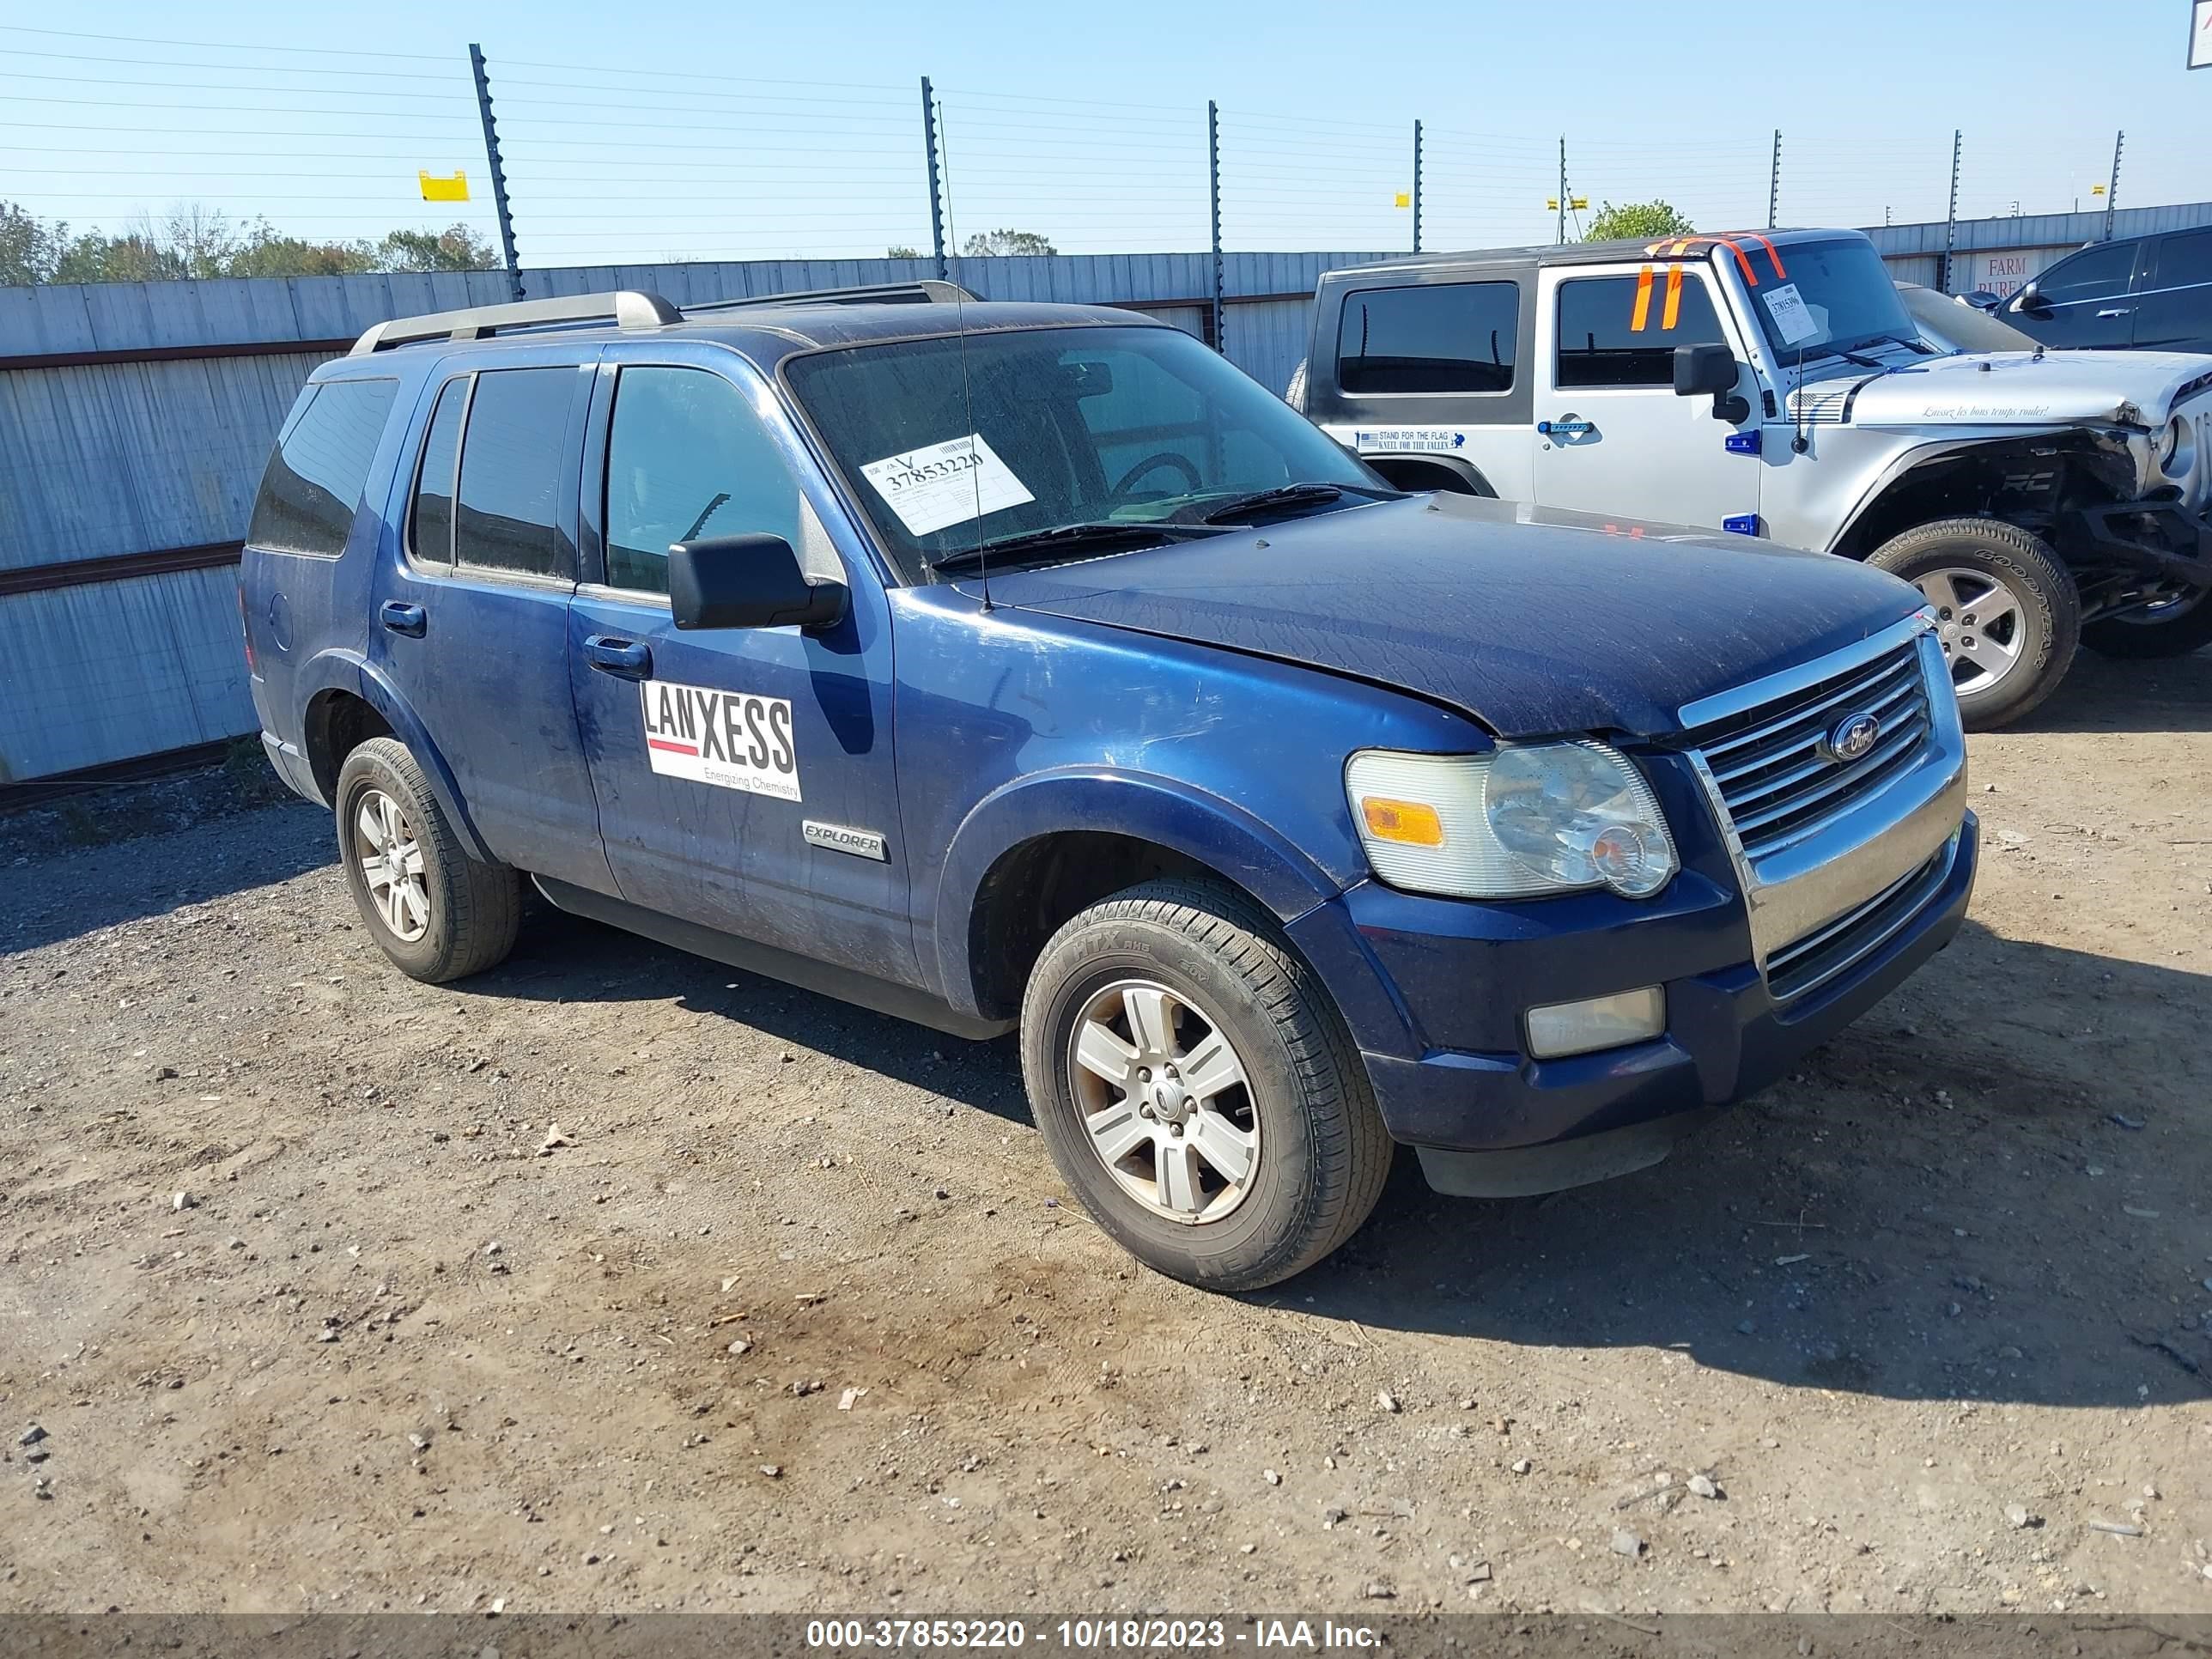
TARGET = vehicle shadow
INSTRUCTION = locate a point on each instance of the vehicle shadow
(1991, 1188)
(2100, 694)
(66, 895)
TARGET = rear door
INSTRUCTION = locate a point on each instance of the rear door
(1611, 434)
(2085, 300)
(2174, 293)
(745, 775)
(472, 624)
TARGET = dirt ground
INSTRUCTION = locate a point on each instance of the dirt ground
(798, 1318)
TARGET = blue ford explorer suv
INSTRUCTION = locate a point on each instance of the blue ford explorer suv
(1028, 665)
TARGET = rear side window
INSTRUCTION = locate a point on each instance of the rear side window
(2186, 257)
(1439, 336)
(688, 458)
(431, 517)
(315, 479)
(1622, 331)
(505, 514)
(2090, 275)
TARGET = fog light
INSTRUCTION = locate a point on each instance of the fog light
(1578, 1028)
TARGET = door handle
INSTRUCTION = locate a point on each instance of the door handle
(2120, 312)
(403, 618)
(627, 659)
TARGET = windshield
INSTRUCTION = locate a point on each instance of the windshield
(1839, 298)
(946, 443)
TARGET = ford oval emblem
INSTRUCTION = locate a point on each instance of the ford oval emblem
(1852, 736)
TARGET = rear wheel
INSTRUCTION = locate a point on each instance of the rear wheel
(1197, 1088)
(2173, 630)
(2006, 611)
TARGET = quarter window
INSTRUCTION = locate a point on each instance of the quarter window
(1620, 330)
(313, 483)
(510, 484)
(687, 457)
(431, 518)
(1435, 337)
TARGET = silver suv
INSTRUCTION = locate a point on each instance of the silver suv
(1772, 384)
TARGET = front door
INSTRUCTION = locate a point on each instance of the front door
(472, 623)
(1611, 436)
(2085, 300)
(745, 775)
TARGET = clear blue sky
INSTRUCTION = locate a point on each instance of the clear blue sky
(758, 132)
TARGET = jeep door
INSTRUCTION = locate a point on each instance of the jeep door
(717, 753)
(1612, 436)
(470, 623)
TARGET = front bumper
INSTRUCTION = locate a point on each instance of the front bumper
(2163, 539)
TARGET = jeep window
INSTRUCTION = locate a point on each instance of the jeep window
(2090, 275)
(430, 519)
(687, 457)
(511, 473)
(1080, 425)
(1601, 343)
(1848, 298)
(1435, 336)
(314, 480)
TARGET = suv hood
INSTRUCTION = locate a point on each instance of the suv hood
(1533, 620)
(2014, 388)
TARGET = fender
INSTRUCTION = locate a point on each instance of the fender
(1909, 460)
(1388, 462)
(1215, 832)
(341, 670)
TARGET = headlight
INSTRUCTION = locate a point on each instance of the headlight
(1548, 818)
(2176, 448)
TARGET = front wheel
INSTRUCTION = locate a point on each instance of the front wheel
(1197, 1089)
(2171, 630)
(2006, 608)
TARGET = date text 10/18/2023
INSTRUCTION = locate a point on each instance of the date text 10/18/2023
(1089, 1635)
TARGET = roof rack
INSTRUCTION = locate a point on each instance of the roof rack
(627, 307)
(928, 291)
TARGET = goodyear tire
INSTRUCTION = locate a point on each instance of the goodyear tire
(437, 913)
(1197, 1089)
(2167, 630)
(2007, 609)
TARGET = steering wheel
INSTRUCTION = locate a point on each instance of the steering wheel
(1153, 463)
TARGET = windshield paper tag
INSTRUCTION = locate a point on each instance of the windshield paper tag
(947, 484)
(1787, 306)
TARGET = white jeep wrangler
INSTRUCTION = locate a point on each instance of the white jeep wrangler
(1773, 383)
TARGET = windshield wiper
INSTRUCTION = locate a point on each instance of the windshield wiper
(1291, 494)
(1068, 538)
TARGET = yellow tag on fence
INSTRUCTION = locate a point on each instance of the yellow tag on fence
(435, 189)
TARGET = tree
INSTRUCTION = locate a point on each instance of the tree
(988, 243)
(901, 251)
(1634, 220)
(30, 247)
(457, 247)
(191, 240)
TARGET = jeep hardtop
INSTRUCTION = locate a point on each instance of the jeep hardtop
(1772, 384)
(1029, 667)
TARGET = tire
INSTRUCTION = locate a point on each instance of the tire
(1945, 560)
(2189, 629)
(1318, 1153)
(468, 912)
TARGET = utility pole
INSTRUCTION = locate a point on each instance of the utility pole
(936, 186)
(1951, 217)
(1417, 187)
(1774, 180)
(1213, 199)
(1562, 235)
(2112, 189)
(498, 171)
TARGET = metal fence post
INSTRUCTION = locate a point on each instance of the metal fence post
(1417, 187)
(2112, 189)
(1774, 181)
(1214, 197)
(936, 187)
(1951, 217)
(498, 171)
(1562, 235)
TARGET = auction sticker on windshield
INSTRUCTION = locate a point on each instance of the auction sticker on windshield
(1790, 313)
(946, 484)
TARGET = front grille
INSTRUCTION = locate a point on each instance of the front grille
(1770, 763)
(1807, 963)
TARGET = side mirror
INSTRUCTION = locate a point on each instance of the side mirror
(1704, 371)
(747, 581)
(2031, 300)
